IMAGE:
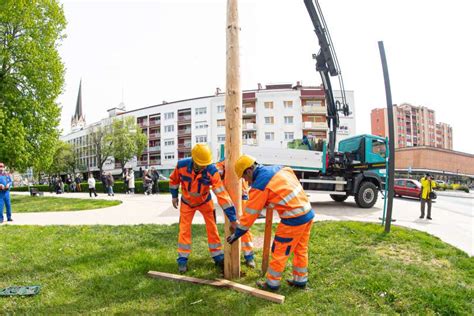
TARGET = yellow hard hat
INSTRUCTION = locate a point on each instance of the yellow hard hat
(243, 163)
(201, 155)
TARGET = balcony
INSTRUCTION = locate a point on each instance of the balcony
(248, 111)
(312, 109)
(184, 147)
(155, 122)
(143, 124)
(184, 132)
(249, 126)
(315, 125)
(154, 135)
(154, 149)
(142, 163)
(155, 161)
(184, 119)
(249, 141)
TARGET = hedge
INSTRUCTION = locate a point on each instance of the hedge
(119, 187)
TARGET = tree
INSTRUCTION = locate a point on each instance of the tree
(31, 78)
(127, 140)
(101, 144)
(63, 160)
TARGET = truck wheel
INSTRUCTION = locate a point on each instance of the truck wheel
(338, 198)
(367, 195)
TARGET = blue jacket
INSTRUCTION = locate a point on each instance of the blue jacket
(5, 179)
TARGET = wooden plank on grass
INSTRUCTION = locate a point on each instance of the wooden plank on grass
(277, 298)
(220, 283)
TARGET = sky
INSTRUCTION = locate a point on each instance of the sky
(146, 52)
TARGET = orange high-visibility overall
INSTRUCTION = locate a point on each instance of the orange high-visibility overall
(247, 239)
(196, 196)
(278, 188)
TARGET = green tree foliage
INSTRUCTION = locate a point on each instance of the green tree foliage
(101, 144)
(127, 139)
(31, 78)
(63, 159)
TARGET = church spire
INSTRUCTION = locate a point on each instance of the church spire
(78, 120)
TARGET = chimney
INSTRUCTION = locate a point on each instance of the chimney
(259, 86)
(218, 91)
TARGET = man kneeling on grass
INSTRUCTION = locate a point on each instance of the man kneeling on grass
(278, 188)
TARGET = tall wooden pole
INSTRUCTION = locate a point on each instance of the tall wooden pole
(266, 240)
(233, 142)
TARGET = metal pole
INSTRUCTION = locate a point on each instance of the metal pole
(391, 137)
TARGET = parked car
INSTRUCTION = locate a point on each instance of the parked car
(440, 182)
(407, 187)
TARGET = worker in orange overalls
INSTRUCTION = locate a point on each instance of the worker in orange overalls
(247, 245)
(278, 188)
(196, 176)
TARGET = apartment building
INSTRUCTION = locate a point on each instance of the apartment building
(413, 126)
(272, 116)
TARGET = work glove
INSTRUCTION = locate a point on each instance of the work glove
(232, 238)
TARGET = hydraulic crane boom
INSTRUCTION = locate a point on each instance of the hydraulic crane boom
(327, 66)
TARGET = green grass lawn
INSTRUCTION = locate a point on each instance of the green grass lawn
(354, 269)
(29, 204)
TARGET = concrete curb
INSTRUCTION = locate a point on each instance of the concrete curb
(456, 194)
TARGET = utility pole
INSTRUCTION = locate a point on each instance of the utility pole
(233, 139)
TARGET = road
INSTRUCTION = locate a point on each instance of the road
(453, 217)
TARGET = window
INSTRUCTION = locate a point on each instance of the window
(411, 185)
(268, 105)
(288, 119)
(200, 111)
(169, 116)
(289, 135)
(169, 128)
(201, 139)
(220, 138)
(378, 147)
(269, 120)
(220, 123)
(220, 108)
(288, 104)
(269, 136)
(313, 103)
(169, 156)
(201, 125)
(169, 142)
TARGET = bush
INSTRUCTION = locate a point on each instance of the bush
(119, 187)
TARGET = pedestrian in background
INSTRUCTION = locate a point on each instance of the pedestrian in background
(131, 181)
(103, 179)
(69, 183)
(156, 180)
(427, 194)
(5, 185)
(147, 183)
(110, 184)
(91, 185)
(77, 180)
(125, 180)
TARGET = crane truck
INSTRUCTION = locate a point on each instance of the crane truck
(358, 166)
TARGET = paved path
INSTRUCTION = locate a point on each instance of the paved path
(453, 218)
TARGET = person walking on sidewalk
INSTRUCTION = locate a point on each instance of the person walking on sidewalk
(131, 181)
(427, 194)
(147, 183)
(78, 182)
(278, 188)
(5, 185)
(110, 184)
(196, 176)
(91, 184)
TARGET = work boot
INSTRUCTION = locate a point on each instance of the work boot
(220, 264)
(182, 267)
(11, 220)
(298, 285)
(264, 286)
(250, 263)
(429, 218)
(421, 216)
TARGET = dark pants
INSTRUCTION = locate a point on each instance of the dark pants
(92, 191)
(423, 201)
